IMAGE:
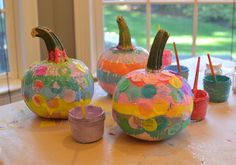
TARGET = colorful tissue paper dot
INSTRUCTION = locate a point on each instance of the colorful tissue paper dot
(55, 85)
(162, 78)
(175, 82)
(136, 77)
(53, 103)
(145, 107)
(149, 91)
(41, 70)
(78, 66)
(150, 79)
(186, 89)
(174, 129)
(176, 110)
(123, 98)
(162, 123)
(69, 95)
(137, 80)
(133, 122)
(177, 96)
(124, 85)
(161, 106)
(133, 93)
(39, 84)
(64, 71)
(37, 99)
(149, 125)
(138, 83)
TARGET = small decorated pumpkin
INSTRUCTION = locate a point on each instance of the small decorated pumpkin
(54, 86)
(153, 104)
(120, 60)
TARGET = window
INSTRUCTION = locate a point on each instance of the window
(7, 45)
(196, 32)
(17, 48)
(186, 20)
(215, 30)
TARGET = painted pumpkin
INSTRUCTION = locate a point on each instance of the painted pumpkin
(153, 104)
(120, 60)
(52, 87)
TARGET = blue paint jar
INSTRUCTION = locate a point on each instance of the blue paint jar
(218, 90)
(174, 69)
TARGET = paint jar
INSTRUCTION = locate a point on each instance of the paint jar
(200, 104)
(234, 80)
(166, 58)
(184, 71)
(216, 67)
(218, 90)
(87, 129)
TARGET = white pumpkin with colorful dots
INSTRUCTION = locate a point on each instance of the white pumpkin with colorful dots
(153, 104)
(120, 60)
(54, 86)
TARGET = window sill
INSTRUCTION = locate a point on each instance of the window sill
(15, 87)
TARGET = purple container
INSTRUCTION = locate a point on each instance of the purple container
(89, 129)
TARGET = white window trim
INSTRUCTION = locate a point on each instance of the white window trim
(27, 47)
(89, 36)
(10, 34)
(23, 50)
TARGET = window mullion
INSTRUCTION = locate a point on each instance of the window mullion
(195, 26)
(148, 24)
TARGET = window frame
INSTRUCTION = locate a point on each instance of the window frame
(23, 50)
(95, 36)
(10, 35)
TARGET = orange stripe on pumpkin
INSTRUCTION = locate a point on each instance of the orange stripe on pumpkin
(121, 68)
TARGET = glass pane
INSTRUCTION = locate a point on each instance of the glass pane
(1, 4)
(177, 20)
(215, 30)
(234, 34)
(135, 16)
(3, 45)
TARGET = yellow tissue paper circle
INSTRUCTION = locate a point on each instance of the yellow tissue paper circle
(149, 125)
(175, 82)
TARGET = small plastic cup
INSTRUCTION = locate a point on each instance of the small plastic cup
(216, 67)
(184, 71)
(89, 129)
(200, 104)
(166, 58)
(218, 90)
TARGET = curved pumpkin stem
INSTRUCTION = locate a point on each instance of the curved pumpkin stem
(124, 35)
(155, 55)
(56, 51)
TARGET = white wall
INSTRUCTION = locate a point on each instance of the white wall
(27, 48)
(58, 15)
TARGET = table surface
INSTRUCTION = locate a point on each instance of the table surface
(27, 139)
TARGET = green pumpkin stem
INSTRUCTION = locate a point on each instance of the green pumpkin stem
(124, 35)
(56, 51)
(155, 55)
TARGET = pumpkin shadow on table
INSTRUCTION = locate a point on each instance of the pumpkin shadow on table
(152, 148)
(77, 147)
(220, 109)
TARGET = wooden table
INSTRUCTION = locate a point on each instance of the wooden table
(26, 139)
